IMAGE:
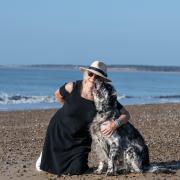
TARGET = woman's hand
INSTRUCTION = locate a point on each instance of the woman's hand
(107, 128)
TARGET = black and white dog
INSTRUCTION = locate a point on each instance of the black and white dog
(125, 150)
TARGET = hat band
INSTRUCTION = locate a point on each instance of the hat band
(99, 70)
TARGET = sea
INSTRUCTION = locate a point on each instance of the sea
(24, 88)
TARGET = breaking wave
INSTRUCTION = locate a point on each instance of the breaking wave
(21, 99)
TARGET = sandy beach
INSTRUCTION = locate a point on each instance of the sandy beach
(22, 135)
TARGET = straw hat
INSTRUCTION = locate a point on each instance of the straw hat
(98, 68)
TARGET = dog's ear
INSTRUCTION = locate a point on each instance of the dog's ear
(113, 96)
(112, 101)
(97, 84)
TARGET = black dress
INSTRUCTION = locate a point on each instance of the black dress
(68, 142)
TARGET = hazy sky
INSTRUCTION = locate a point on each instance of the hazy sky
(77, 32)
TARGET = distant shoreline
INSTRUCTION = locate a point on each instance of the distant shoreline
(117, 68)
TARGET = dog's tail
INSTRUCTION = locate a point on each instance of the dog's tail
(160, 169)
(157, 169)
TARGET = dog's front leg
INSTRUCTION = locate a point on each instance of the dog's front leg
(110, 170)
(100, 168)
(103, 156)
(112, 167)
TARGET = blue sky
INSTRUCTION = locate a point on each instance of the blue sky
(77, 32)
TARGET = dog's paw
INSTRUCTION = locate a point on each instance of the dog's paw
(98, 172)
(110, 172)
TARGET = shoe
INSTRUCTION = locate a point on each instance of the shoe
(38, 163)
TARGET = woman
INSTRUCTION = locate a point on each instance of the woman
(68, 142)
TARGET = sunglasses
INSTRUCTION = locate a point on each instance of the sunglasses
(90, 74)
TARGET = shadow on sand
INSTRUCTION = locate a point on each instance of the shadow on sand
(174, 165)
(171, 165)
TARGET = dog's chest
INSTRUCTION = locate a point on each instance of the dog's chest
(95, 127)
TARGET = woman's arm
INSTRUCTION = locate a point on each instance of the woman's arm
(107, 128)
(124, 117)
(59, 98)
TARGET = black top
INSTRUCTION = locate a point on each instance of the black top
(68, 140)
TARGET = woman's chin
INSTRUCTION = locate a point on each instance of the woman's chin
(90, 81)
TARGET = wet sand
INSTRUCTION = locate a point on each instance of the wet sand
(22, 134)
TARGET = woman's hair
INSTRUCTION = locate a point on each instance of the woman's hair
(85, 74)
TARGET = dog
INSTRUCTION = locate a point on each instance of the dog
(125, 150)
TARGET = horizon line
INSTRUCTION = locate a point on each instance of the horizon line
(125, 65)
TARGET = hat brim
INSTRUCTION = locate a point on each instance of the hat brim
(82, 69)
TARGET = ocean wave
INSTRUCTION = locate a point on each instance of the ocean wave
(168, 97)
(20, 99)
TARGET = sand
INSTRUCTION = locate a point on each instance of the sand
(22, 135)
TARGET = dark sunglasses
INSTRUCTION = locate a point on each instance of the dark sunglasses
(90, 74)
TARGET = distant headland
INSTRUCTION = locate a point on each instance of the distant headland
(114, 67)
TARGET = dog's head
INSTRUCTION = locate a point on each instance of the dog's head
(105, 95)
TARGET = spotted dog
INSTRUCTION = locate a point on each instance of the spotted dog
(125, 150)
